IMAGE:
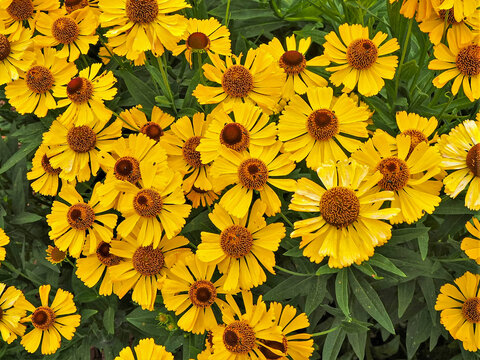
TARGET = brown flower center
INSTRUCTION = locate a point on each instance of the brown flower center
(4, 47)
(148, 203)
(322, 124)
(339, 206)
(80, 216)
(473, 159)
(468, 60)
(72, 5)
(451, 16)
(270, 355)
(80, 90)
(237, 81)
(152, 130)
(292, 62)
(65, 30)
(127, 169)
(202, 293)
(57, 255)
(48, 167)
(471, 310)
(20, 10)
(192, 156)
(148, 261)
(236, 241)
(235, 136)
(198, 41)
(43, 317)
(142, 11)
(362, 53)
(39, 79)
(395, 174)
(416, 137)
(81, 139)
(239, 337)
(104, 255)
(253, 174)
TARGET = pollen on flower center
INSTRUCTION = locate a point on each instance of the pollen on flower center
(142, 11)
(65, 30)
(322, 124)
(236, 241)
(190, 154)
(148, 203)
(79, 90)
(80, 216)
(148, 261)
(269, 355)
(43, 317)
(235, 136)
(198, 41)
(152, 130)
(253, 174)
(57, 255)
(239, 337)
(473, 159)
(362, 54)
(468, 60)
(4, 47)
(20, 10)
(339, 206)
(395, 174)
(81, 139)
(471, 310)
(292, 62)
(39, 79)
(202, 293)
(72, 5)
(127, 168)
(48, 167)
(104, 255)
(416, 137)
(237, 81)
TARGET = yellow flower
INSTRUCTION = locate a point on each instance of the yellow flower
(417, 127)
(4, 240)
(79, 226)
(204, 36)
(470, 245)
(460, 310)
(50, 321)
(91, 6)
(243, 244)
(350, 224)
(55, 255)
(11, 301)
(201, 197)
(257, 81)
(45, 176)
(423, 8)
(32, 92)
(85, 96)
(145, 350)
(295, 66)
(461, 8)
(359, 59)
(144, 267)
(138, 26)
(15, 55)
(316, 130)
(252, 171)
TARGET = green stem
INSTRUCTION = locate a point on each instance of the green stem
(321, 333)
(292, 272)
(18, 272)
(286, 220)
(275, 8)
(112, 55)
(227, 13)
(445, 108)
(402, 59)
(166, 83)
(199, 65)
(125, 121)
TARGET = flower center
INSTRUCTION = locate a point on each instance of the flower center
(202, 293)
(292, 62)
(198, 191)
(104, 255)
(80, 216)
(192, 156)
(48, 167)
(395, 174)
(142, 11)
(198, 41)
(468, 60)
(322, 124)
(148, 203)
(152, 130)
(57, 255)
(239, 337)
(39, 79)
(81, 139)
(4, 47)
(253, 174)
(471, 310)
(236, 241)
(237, 81)
(362, 53)
(72, 5)
(80, 90)
(473, 159)
(127, 169)
(339, 206)
(148, 261)
(416, 137)
(20, 10)
(65, 30)
(235, 136)
(43, 317)
(282, 346)
(451, 16)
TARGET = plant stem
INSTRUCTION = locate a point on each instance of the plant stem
(112, 55)
(125, 121)
(325, 332)
(167, 84)
(286, 220)
(227, 13)
(445, 108)
(199, 65)
(292, 272)
(402, 59)
(275, 8)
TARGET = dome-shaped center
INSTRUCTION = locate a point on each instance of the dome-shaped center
(127, 168)
(142, 11)
(322, 124)
(190, 154)
(292, 62)
(152, 130)
(72, 5)
(236, 241)
(148, 261)
(4, 47)
(239, 337)
(39, 79)
(471, 310)
(57, 255)
(79, 90)
(473, 159)
(43, 317)
(80, 216)
(20, 10)
(235, 136)
(416, 137)
(198, 41)
(81, 139)
(339, 206)
(395, 174)
(48, 167)
(65, 30)
(148, 203)
(362, 53)
(202, 293)
(237, 81)
(253, 174)
(104, 255)
(468, 60)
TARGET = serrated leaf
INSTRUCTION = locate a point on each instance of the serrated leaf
(341, 291)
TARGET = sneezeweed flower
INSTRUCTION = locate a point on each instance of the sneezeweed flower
(460, 310)
(242, 128)
(79, 225)
(350, 224)
(11, 301)
(460, 8)
(45, 176)
(257, 81)
(243, 244)
(471, 246)
(461, 62)
(145, 350)
(316, 130)
(360, 60)
(91, 6)
(252, 171)
(419, 128)
(204, 36)
(294, 64)
(32, 92)
(137, 26)
(144, 268)
(422, 8)
(4, 240)
(50, 321)
(15, 55)
(201, 197)
(55, 255)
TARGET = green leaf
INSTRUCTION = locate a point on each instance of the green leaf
(341, 291)
(325, 269)
(428, 288)
(25, 150)
(26, 218)
(87, 314)
(333, 344)
(143, 320)
(108, 320)
(316, 294)
(418, 330)
(423, 245)
(141, 92)
(405, 296)
(450, 206)
(289, 288)
(384, 263)
(400, 236)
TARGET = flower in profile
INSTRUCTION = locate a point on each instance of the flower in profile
(422, 8)
(90, 6)
(320, 129)
(471, 246)
(293, 62)
(50, 322)
(257, 81)
(55, 255)
(145, 350)
(78, 225)
(360, 60)
(242, 245)
(460, 8)
(204, 36)
(32, 92)
(419, 128)
(11, 301)
(350, 224)
(459, 304)
(201, 197)
(45, 176)
(4, 240)
(15, 55)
